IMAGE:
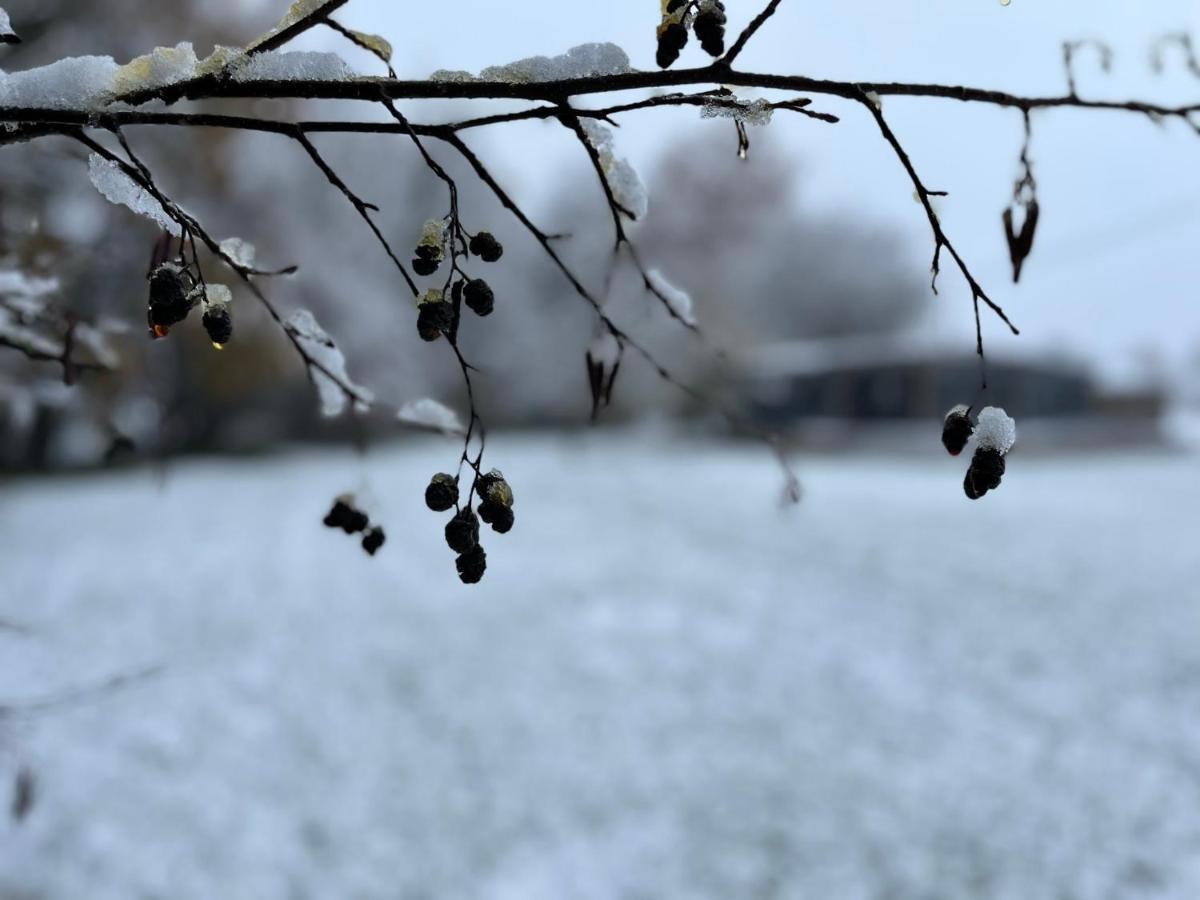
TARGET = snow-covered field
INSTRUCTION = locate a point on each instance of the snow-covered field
(665, 687)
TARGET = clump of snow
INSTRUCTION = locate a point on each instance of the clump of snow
(995, 430)
(429, 413)
(583, 61)
(92, 82)
(292, 65)
(117, 187)
(77, 82)
(433, 295)
(678, 301)
(217, 294)
(241, 252)
(7, 35)
(452, 75)
(433, 235)
(623, 179)
(161, 67)
(329, 373)
(748, 112)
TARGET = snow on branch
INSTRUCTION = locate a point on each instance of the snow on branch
(583, 61)
(117, 187)
(626, 185)
(326, 365)
(429, 413)
(7, 35)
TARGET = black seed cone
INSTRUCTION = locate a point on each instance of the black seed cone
(218, 323)
(346, 517)
(442, 492)
(710, 30)
(493, 488)
(169, 303)
(984, 474)
(429, 252)
(499, 517)
(956, 431)
(424, 266)
(434, 320)
(373, 540)
(479, 297)
(471, 565)
(486, 247)
(462, 532)
(671, 40)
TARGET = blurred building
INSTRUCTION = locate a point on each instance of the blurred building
(834, 391)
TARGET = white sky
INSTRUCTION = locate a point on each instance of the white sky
(1117, 262)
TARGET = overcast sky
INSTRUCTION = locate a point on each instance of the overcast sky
(1118, 257)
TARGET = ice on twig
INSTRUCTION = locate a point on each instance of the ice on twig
(583, 61)
(748, 112)
(292, 65)
(429, 413)
(117, 187)
(161, 67)
(678, 301)
(241, 252)
(77, 82)
(995, 430)
(623, 179)
(327, 367)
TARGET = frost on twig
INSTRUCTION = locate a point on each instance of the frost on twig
(623, 180)
(326, 365)
(429, 413)
(117, 187)
(748, 112)
(678, 301)
(584, 61)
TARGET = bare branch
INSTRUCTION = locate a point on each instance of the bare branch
(744, 38)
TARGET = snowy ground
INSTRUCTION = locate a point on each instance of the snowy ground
(665, 688)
